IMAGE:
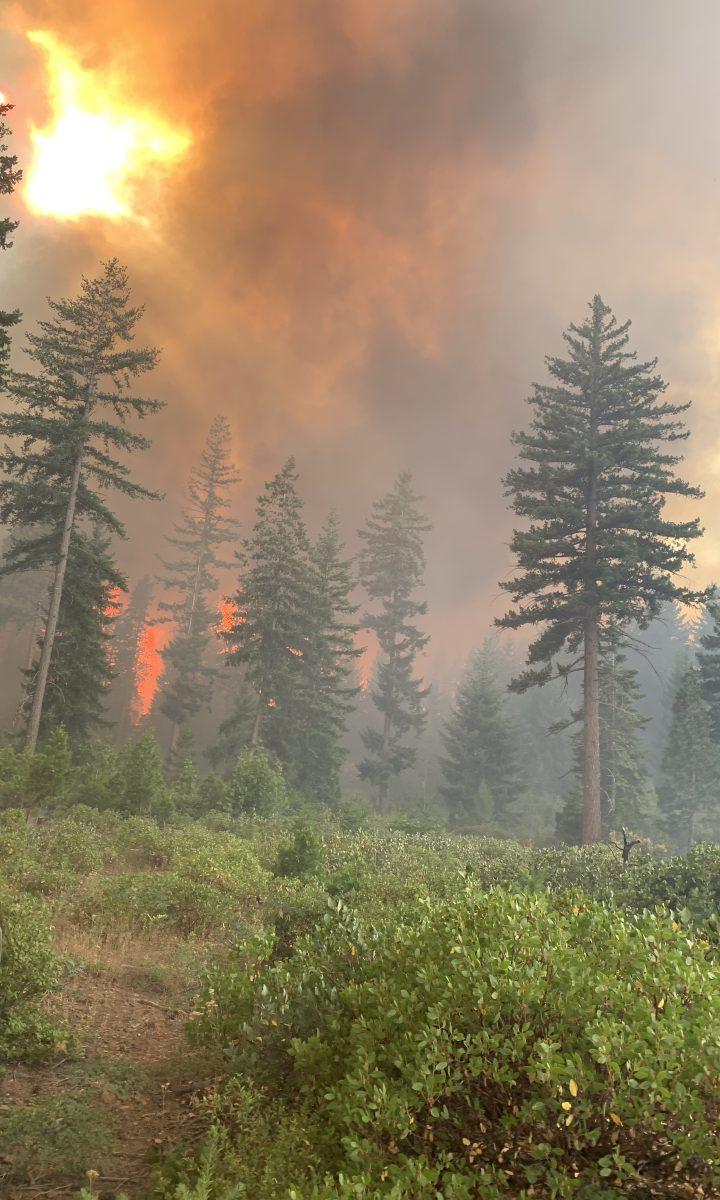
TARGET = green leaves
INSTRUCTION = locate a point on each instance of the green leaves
(404, 1068)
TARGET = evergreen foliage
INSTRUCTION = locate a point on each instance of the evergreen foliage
(689, 794)
(293, 637)
(81, 668)
(10, 176)
(326, 693)
(256, 785)
(596, 470)
(480, 761)
(392, 562)
(64, 426)
(708, 660)
(203, 529)
(141, 784)
(21, 595)
(274, 612)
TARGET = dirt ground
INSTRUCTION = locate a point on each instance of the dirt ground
(127, 1072)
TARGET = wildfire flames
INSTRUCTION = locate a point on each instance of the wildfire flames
(367, 642)
(96, 151)
(227, 617)
(149, 667)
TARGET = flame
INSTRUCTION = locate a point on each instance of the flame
(117, 602)
(366, 641)
(149, 668)
(96, 150)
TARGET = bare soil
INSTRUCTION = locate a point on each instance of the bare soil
(125, 1005)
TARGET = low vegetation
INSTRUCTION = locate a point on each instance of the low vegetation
(369, 1012)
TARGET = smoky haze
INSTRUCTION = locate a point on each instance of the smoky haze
(389, 214)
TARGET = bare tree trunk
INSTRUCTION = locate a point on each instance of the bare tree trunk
(53, 612)
(255, 734)
(592, 825)
(384, 784)
(691, 815)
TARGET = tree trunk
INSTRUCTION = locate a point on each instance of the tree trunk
(255, 734)
(53, 612)
(384, 783)
(691, 814)
(592, 825)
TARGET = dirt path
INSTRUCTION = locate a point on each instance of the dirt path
(127, 1089)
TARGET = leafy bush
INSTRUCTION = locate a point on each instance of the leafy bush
(213, 883)
(66, 1135)
(489, 1045)
(301, 856)
(28, 970)
(256, 785)
(44, 780)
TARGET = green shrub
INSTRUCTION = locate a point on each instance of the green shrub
(489, 1045)
(28, 970)
(44, 780)
(256, 785)
(64, 1135)
(141, 783)
(214, 883)
(301, 856)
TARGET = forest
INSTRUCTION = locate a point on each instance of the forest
(285, 915)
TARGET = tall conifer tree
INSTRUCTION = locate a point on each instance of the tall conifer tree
(66, 423)
(326, 693)
(709, 663)
(392, 563)
(10, 176)
(274, 606)
(81, 666)
(689, 793)
(480, 761)
(627, 795)
(203, 529)
(596, 472)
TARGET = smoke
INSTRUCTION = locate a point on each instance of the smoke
(389, 214)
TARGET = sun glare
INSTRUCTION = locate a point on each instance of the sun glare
(96, 152)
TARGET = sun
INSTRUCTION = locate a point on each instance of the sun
(96, 152)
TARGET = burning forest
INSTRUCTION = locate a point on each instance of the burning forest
(359, 614)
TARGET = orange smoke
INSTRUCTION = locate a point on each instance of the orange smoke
(96, 149)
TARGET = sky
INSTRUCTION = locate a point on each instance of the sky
(388, 213)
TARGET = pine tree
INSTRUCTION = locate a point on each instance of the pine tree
(480, 760)
(689, 794)
(391, 570)
(273, 606)
(708, 660)
(65, 424)
(627, 795)
(10, 176)
(326, 694)
(142, 787)
(21, 597)
(204, 528)
(626, 792)
(81, 665)
(598, 548)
